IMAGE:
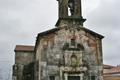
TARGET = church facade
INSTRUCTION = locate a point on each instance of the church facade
(67, 52)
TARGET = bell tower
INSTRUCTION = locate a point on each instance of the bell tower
(81, 48)
(70, 9)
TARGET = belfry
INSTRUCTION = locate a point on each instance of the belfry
(70, 9)
(72, 6)
(67, 52)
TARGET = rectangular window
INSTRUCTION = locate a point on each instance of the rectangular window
(73, 42)
(52, 77)
(92, 77)
(73, 77)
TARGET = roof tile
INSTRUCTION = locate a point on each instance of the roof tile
(24, 48)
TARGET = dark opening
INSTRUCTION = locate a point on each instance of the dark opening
(73, 77)
(92, 77)
(52, 77)
(71, 6)
(80, 47)
(73, 42)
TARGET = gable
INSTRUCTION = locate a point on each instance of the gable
(62, 31)
(45, 33)
(51, 43)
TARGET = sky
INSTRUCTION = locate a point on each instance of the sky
(22, 20)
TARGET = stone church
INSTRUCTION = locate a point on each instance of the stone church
(67, 52)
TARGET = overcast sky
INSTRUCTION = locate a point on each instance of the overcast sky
(22, 20)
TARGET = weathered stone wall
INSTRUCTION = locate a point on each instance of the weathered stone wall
(55, 50)
(22, 59)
